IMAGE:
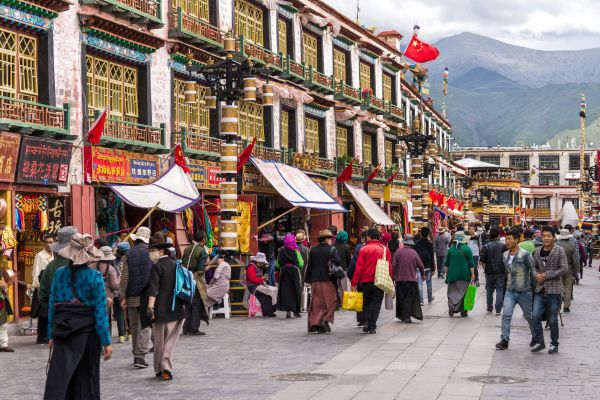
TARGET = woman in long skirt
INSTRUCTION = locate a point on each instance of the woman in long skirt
(460, 272)
(290, 284)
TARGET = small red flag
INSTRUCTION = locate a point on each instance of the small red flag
(391, 178)
(373, 174)
(432, 196)
(451, 203)
(245, 155)
(180, 158)
(346, 174)
(461, 205)
(440, 199)
(95, 132)
(420, 51)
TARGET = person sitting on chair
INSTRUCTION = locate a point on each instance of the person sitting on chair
(257, 279)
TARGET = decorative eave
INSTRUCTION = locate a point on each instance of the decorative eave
(321, 102)
(124, 34)
(200, 56)
(26, 16)
(48, 8)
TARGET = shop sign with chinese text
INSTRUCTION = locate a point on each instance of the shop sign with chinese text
(394, 194)
(205, 174)
(43, 161)
(254, 181)
(9, 153)
(375, 190)
(328, 185)
(119, 166)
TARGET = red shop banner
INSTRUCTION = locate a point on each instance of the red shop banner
(119, 166)
(9, 153)
(43, 161)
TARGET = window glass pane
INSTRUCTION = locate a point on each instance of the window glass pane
(250, 121)
(311, 50)
(195, 8)
(282, 36)
(519, 162)
(549, 162)
(248, 21)
(491, 159)
(285, 128)
(549, 179)
(574, 161)
(365, 75)
(389, 158)
(387, 87)
(342, 141)
(193, 117)
(339, 64)
(18, 65)
(311, 135)
(542, 203)
(367, 149)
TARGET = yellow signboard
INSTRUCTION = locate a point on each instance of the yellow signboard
(395, 194)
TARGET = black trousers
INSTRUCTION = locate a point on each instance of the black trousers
(360, 316)
(266, 304)
(372, 299)
(193, 314)
(42, 329)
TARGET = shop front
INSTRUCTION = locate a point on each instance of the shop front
(395, 197)
(31, 171)
(104, 166)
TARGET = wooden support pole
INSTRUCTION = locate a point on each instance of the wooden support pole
(142, 221)
(277, 217)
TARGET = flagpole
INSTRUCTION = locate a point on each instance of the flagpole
(582, 194)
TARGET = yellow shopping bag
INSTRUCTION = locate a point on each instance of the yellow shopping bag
(352, 301)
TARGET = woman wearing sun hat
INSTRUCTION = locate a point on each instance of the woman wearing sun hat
(460, 271)
(77, 324)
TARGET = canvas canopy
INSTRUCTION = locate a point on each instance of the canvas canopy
(295, 186)
(174, 191)
(569, 215)
(369, 207)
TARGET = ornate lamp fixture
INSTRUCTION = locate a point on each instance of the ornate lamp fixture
(585, 186)
(428, 168)
(593, 172)
(416, 142)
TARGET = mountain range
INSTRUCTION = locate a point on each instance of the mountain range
(503, 94)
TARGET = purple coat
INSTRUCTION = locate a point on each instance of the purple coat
(405, 264)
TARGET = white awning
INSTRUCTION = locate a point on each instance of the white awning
(174, 191)
(295, 186)
(369, 207)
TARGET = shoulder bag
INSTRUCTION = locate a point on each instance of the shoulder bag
(335, 271)
(383, 280)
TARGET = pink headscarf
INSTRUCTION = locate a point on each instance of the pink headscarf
(385, 238)
(289, 241)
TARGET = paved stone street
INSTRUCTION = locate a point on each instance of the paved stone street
(440, 358)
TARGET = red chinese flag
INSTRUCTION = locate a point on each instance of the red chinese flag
(420, 51)
(451, 203)
(433, 196)
(391, 178)
(440, 199)
(461, 205)
(180, 158)
(373, 174)
(245, 156)
(346, 174)
(95, 132)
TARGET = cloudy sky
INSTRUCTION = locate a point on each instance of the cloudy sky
(539, 24)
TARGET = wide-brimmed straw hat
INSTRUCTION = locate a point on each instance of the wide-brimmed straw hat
(325, 233)
(259, 258)
(564, 234)
(63, 237)
(142, 234)
(300, 237)
(107, 254)
(81, 250)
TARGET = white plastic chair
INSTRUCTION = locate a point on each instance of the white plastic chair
(226, 309)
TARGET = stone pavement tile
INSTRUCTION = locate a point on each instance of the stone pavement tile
(404, 366)
(422, 388)
(453, 397)
(447, 355)
(395, 347)
(482, 369)
(441, 363)
(335, 392)
(374, 395)
(300, 391)
(460, 387)
(389, 382)
(435, 372)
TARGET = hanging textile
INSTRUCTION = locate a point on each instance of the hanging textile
(188, 219)
(243, 226)
(41, 217)
(8, 241)
(114, 212)
(19, 215)
(208, 229)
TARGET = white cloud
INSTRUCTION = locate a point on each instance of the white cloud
(540, 24)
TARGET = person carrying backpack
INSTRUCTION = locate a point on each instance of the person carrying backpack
(164, 310)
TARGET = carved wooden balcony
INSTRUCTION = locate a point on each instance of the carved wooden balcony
(318, 81)
(358, 170)
(262, 152)
(260, 55)
(293, 70)
(314, 163)
(34, 118)
(196, 145)
(373, 104)
(394, 112)
(195, 30)
(134, 136)
(347, 94)
(138, 11)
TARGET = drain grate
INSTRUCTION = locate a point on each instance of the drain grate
(303, 377)
(496, 379)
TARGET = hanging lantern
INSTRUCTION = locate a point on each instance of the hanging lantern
(267, 94)
(210, 100)
(250, 88)
(190, 93)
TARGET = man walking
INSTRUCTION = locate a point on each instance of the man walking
(564, 241)
(441, 243)
(474, 244)
(195, 259)
(135, 273)
(424, 249)
(519, 274)
(364, 275)
(40, 262)
(492, 257)
(550, 264)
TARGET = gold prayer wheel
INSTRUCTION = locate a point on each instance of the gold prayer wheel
(229, 187)
(190, 93)
(229, 43)
(229, 158)
(229, 204)
(250, 88)
(267, 98)
(228, 226)
(229, 120)
(228, 243)
(210, 101)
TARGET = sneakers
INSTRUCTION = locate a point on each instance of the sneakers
(121, 339)
(498, 312)
(489, 310)
(128, 338)
(365, 329)
(553, 349)
(140, 363)
(7, 349)
(432, 299)
(532, 343)
(502, 345)
(196, 333)
(566, 309)
(451, 313)
(360, 325)
(538, 347)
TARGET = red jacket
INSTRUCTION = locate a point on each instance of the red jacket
(367, 261)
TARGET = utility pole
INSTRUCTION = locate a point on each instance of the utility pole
(583, 195)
